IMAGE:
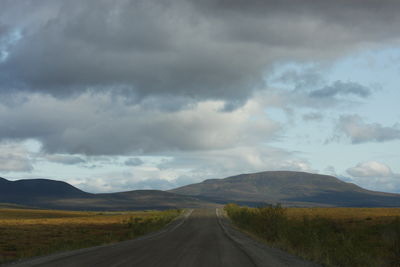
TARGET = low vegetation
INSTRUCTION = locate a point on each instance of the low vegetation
(329, 236)
(26, 233)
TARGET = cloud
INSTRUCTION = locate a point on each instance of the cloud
(138, 177)
(375, 175)
(8, 38)
(176, 77)
(159, 184)
(354, 127)
(139, 48)
(14, 158)
(118, 183)
(306, 86)
(299, 77)
(313, 116)
(341, 88)
(3, 42)
(186, 167)
(370, 169)
(242, 159)
(282, 23)
(330, 170)
(133, 162)
(209, 50)
(104, 125)
(65, 159)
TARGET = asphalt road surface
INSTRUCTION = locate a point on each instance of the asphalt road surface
(198, 240)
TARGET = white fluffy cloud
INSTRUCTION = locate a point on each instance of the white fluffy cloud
(376, 176)
(14, 158)
(241, 159)
(370, 169)
(104, 125)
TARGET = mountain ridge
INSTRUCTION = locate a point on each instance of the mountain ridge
(253, 189)
(287, 187)
(55, 194)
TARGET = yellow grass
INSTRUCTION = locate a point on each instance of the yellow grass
(26, 233)
(357, 237)
(26, 217)
(346, 214)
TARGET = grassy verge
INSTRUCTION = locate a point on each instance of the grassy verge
(329, 236)
(29, 233)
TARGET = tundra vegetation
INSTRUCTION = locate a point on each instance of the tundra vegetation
(329, 236)
(26, 233)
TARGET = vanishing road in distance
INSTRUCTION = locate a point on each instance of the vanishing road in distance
(200, 239)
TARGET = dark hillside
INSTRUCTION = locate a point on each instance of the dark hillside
(60, 195)
(292, 188)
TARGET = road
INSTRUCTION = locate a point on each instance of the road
(197, 241)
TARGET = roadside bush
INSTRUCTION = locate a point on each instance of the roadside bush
(271, 222)
(141, 226)
(391, 236)
(268, 221)
(324, 240)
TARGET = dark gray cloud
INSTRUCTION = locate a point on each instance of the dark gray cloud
(146, 76)
(133, 162)
(210, 49)
(301, 79)
(292, 99)
(4, 32)
(341, 88)
(140, 47)
(65, 159)
(354, 127)
(307, 86)
(304, 24)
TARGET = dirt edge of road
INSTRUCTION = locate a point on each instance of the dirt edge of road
(261, 254)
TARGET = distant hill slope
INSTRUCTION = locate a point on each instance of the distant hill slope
(292, 188)
(33, 188)
(131, 200)
(46, 193)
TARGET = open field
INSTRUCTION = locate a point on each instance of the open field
(26, 233)
(346, 214)
(330, 236)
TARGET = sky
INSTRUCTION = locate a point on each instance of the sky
(142, 94)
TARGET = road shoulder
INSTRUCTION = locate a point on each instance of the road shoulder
(261, 254)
